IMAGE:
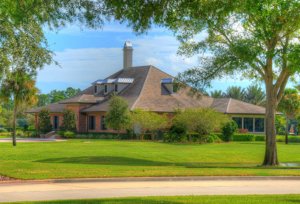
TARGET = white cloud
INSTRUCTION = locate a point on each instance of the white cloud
(84, 65)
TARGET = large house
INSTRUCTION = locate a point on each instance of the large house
(149, 88)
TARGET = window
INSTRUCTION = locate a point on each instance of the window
(91, 122)
(116, 87)
(55, 122)
(239, 122)
(95, 89)
(248, 124)
(102, 125)
(105, 88)
(259, 124)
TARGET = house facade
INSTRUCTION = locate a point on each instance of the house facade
(148, 88)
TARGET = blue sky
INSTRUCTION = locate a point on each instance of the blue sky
(86, 55)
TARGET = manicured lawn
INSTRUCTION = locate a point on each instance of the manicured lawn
(253, 199)
(107, 158)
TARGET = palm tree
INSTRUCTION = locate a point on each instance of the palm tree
(255, 95)
(20, 87)
(235, 92)
(217, 94)
(290, 106)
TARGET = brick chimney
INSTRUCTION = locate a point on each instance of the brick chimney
(127, 55)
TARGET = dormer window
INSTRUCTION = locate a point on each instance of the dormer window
(95, 89)
(105, 88)
(167, 84)
(116, 87)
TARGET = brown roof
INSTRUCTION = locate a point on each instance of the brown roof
(233, 106)
(147, 92)
(83, 98)
(54, 107)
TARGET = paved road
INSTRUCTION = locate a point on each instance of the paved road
(55, 190)
(2, 140)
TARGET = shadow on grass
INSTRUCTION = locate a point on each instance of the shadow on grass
(126, 161)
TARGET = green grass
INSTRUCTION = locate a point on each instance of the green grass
(109, 158)
(252, 199)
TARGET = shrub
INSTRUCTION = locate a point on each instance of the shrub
(19, 133)
(244, 137)
(44, 121)
(3, 130)
(213, 138)
(69, 120)
(69, 134)
(260, 138)
(173, 137)
(148, 122)
(201, 120)
(228, 130)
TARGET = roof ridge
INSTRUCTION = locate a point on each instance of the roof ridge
(140, 93)
(228, 104)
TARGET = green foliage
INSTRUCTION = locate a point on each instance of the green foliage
(252, 94)
(228, 130)
(255, 95)
(118, 116)
(290, 103)
(280, 123)
(3, 130)
(201, 120)
(69, 134)
(44, 121)
(148, 121)
(235, 92)
(69, 120)
(56, 95)
(177, 133)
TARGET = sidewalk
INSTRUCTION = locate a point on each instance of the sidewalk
(128, 187)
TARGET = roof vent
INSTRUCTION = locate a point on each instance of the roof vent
(127, 55)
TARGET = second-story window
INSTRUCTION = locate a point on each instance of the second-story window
(116, 87)
(95, 89)
(105, 88)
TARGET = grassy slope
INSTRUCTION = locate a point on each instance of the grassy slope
(253, 199)
(100, 158)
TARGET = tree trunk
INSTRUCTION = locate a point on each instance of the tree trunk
(271, 149)
(287, 130)
(14, 126)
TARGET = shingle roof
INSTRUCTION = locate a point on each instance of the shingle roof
(233, 106)
(54, 107)
(148, 92)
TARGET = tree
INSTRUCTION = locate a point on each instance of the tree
(21, 88)
(118, 116)
(255, 95)
(235, 92)
(256, 39)
(148, 121)
(290, 106)
(69, 120)
(22, 35)
(45, 125)
(217, 94)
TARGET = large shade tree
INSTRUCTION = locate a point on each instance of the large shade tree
(258, 39)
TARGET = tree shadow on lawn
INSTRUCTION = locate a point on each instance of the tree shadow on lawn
(127, 161)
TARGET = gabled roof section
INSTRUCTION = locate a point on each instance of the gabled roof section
(83, 98)
(54, 108)
(233, 106)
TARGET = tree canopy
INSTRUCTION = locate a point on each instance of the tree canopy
(250, 38)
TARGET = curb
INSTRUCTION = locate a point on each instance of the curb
(155, 179)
